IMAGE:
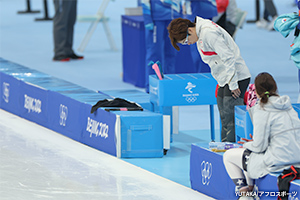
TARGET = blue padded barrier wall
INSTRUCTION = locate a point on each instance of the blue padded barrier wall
(65, 108)
(208, 174)
(64, 116)
(98, 129)
(34, 103)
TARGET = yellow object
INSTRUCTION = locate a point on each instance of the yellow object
(218, 150)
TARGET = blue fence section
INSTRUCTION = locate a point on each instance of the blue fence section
(98, 129)
(10, 93)
(34, 103)
(64, 115)
(208, 174)
(65, 108)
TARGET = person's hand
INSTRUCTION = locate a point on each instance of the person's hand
(236, 93)
(246, 140)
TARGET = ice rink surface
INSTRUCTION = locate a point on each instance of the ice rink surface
(36, 163)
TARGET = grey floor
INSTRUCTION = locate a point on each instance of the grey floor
(39, 164)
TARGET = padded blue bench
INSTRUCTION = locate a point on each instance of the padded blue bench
(209, 176)
(65, 108)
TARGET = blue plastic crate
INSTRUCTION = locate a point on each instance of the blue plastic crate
(141, 134)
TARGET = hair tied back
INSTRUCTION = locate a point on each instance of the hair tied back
(267, 93)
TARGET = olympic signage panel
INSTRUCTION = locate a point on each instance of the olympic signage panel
(64, 115)
(98, 129)
(34, 103)
(208, 174)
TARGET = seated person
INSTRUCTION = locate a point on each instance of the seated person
(275, 145)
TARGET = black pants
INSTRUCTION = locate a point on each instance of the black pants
(227, 25)
(226, 105)
(270, 9)
(63, 26)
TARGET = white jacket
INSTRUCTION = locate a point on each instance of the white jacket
(276, 137)
(220, 52)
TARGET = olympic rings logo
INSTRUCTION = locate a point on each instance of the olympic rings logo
(206, 172)
(63, 114)
(191, 99)
(6, 92)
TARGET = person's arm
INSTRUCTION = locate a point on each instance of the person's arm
(146, 5)
(261, 132)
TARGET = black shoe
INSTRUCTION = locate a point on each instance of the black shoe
(61, 58)
(76, 57)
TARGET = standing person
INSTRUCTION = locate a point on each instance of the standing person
(297, 32)
(216, 48)
(285, 24)
(63, 30)
(269, 11)
(230, 17)
(157, 15)
(275, 145)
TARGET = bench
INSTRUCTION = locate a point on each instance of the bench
(209, 176)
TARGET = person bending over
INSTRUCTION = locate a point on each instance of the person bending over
(216, 48)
